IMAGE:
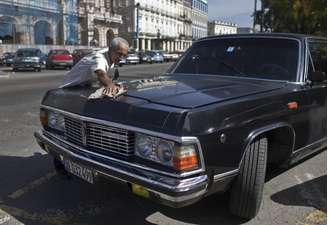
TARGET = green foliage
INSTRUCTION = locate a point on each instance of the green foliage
(294, 16)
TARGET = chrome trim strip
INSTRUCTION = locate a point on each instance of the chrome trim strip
(184, 139)
(121, 161)
(180, 198)
(221, 176)
(184, 185)
(323, 140)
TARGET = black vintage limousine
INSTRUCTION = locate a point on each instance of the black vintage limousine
(225, 110)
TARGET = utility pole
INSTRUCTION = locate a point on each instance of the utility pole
(255, 14)
(137, 26)
(262, 16)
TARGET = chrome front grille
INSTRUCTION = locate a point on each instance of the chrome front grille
(103, 138)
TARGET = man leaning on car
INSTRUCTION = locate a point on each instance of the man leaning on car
(98, 65)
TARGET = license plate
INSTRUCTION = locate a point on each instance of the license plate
(62, 64)
(78, 170)
(139, 190)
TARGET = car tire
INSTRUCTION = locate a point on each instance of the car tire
(60, 169)
(247, 190)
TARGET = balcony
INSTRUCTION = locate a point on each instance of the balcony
(108, 17)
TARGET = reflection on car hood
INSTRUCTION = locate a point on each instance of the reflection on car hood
(195, 91)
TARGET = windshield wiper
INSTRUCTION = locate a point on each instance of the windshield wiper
(231, 67)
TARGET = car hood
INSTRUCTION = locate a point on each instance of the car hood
(159, 104)
(191, 91)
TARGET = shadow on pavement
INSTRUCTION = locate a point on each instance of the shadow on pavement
(311, 194)
(72, 201)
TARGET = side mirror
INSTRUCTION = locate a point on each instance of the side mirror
(116, 74)
(317, 76)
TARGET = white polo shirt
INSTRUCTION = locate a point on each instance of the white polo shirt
(84, 71)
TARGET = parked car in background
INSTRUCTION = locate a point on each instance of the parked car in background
(122, 62)
(8, 58)
(144, 57)
(175, 56)
(1, 59)
(78, 54)
(156, 56)
(27, 58)
(211, 124)
(132, 57)
(43, 59)
(59, 58)
(167, 56)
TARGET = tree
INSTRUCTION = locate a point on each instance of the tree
(294, 16)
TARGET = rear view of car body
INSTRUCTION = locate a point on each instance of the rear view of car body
(59, 58)
(157, 56)
(133, 57)
(27, 58)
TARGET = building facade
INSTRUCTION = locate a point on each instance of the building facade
(245, 30)
(199, 19)
(221, 28)
(58, 22)
(155, 24)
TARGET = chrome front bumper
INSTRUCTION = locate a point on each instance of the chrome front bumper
(172, 191)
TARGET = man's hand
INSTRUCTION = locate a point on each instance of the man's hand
(111, 90)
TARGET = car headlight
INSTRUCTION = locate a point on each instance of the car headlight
(53, 120)
(35, 59)
(178, 156)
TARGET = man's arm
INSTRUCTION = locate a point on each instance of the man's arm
(110, 87)
(103, 78)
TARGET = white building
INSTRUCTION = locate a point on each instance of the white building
(199, 19)
(221, 28)
(159, 24)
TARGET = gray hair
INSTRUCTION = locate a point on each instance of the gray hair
(117, 41)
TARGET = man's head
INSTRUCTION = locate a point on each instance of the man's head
(118, 49)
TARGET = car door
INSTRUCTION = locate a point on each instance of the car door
(317, 91)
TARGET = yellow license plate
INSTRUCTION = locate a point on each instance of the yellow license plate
(139, 190)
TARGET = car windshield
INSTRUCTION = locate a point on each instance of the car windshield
(27, 53)
(60, 52)
(263, 58)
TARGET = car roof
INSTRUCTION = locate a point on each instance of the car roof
(268, 35)
(28, 49)
(59, 49)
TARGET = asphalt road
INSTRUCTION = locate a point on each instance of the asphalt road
(31, 192)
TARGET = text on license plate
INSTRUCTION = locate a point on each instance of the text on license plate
(78, 170)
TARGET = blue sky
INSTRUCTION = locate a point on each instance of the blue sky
(238, 11)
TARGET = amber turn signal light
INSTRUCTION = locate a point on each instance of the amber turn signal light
(185, 158)
(43, 118)
(292, 105)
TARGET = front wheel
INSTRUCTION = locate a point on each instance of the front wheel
(247, 189)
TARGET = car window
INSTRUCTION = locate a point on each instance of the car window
(264, 58)
(27, 53)
(318, 54)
